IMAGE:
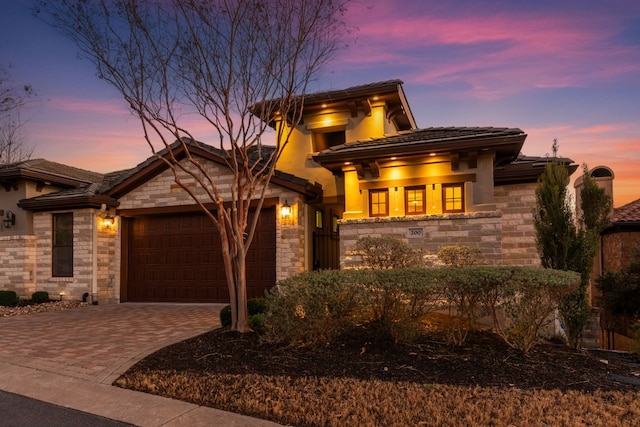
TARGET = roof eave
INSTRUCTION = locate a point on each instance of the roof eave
(36, 176)
(509, 145)
(81, 202)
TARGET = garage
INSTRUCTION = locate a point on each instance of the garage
(177, 258)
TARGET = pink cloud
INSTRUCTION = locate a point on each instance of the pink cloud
(114, 106)
(494, 53)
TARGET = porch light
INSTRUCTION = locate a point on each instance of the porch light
(108, 222)
(9, 219)
(285, 210)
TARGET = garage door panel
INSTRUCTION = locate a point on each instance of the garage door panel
(177, 258)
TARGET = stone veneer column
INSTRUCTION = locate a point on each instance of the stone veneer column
(290, 235)
(516, 202)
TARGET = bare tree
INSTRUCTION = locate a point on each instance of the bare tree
(235, 64)
(13, 146)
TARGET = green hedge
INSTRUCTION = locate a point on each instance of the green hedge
(315, 307)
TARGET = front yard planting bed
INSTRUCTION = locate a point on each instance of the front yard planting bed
(364, 379)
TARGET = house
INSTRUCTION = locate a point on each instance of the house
(618, 240)
(356, 165)
(618, 243)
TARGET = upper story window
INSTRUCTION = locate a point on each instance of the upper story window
(379, 202)
(62, 245)
(324, 140)
(453, 198)
(414, 200)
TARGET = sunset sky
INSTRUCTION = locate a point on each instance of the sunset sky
(566, 69)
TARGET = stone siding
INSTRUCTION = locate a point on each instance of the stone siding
(506, 236)
(162, 191)
(481, 230)
(516, 203)
(290, 235)
(18, 254)
(85, 227)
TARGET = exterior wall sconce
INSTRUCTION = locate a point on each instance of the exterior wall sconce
(9, 219)
(108, 221)
(285, 210)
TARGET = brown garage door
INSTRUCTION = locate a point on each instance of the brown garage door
(177, 258)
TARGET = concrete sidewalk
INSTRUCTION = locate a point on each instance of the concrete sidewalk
(133, 407)
(70, 358)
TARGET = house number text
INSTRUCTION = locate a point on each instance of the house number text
(413, 233)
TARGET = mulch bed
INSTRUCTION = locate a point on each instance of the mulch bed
(364, 354)
(364, 379)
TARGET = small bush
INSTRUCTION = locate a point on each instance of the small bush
(8, 298)
(396, 298)
(40, 297)
(254, 306)
(460, 256)
(387, 252)
(257, 322)
(312, 307)
(225, 316)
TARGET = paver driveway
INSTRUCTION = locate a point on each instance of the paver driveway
(98, 343)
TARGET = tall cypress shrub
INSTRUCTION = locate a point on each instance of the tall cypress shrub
(567, 242)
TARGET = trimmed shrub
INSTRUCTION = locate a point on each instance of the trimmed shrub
(460, 256)
(396, 298)
(40, 297)
(387, 252)
(257, 322)
(254, 306)
(9, 298)
(534, 295)
(312, 307)
(225, 316)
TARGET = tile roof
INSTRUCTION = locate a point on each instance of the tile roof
(506, 142)
(353, 91)
(427, 135)
(51, 169)
(628, 213)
